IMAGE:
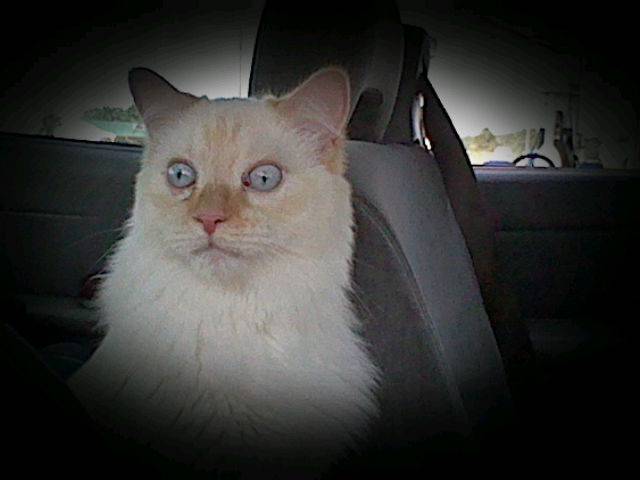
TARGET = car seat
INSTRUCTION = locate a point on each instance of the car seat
(425, 268)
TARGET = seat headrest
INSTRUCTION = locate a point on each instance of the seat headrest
(364, 38)
(417, 43)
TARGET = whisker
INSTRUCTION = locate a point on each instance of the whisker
(363, 304)
(359, 261)
(91, 236)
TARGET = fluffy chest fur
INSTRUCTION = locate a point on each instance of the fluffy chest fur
(276, 370)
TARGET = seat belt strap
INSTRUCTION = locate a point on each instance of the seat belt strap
(478, 227)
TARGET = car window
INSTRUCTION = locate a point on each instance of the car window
(502, 76)
(74, 85)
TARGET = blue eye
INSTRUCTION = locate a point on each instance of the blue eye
(181, 175)
(264, 178)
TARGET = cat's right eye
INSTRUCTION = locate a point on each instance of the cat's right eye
(263, 177)
(181, 174)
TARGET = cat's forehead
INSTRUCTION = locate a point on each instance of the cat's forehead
(229, 120)
(233, 131)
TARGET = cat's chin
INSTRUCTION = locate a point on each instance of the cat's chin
(215, 253)
(222, 266)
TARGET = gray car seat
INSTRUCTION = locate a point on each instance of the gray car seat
(415, 279)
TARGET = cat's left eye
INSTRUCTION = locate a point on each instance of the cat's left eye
(181, 174)
(263, 177)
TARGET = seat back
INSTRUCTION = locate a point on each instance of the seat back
(415, 282)
(424, 314)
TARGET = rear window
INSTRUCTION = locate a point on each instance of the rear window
(506, 71)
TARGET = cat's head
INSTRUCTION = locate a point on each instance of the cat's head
(233, 186)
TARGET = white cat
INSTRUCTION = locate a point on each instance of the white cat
(229, 330)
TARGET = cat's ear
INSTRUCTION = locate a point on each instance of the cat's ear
(320, 106)
(156, 99)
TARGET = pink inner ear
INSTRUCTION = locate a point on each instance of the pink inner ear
(321, 104)
(157, 100)
(323, 137)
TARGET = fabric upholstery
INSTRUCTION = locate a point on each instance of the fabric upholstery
(453, 350)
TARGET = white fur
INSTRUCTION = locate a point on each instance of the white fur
(202, 365)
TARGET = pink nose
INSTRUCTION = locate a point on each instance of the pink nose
(210, 220)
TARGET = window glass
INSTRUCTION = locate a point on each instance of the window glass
(503, 73)
(73, 84)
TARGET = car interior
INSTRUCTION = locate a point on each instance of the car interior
(497, 302)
